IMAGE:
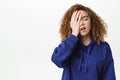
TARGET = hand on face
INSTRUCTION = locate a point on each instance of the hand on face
(80, 23)
(75, 22)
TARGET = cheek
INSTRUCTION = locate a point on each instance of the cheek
(88, 25)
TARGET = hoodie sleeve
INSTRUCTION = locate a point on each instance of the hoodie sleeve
(63, 52)
(108, 70)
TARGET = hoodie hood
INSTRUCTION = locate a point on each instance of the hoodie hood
(84, 55)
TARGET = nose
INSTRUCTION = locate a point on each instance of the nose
(81, 23)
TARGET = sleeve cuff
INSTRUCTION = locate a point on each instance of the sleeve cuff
(73, 38)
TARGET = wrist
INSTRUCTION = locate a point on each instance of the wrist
(75, 34)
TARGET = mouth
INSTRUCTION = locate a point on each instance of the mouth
(82, 29)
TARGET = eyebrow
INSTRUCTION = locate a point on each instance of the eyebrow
(85, 16)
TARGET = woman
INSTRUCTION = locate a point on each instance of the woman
(83, 53)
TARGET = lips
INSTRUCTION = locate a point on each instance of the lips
(82, 29)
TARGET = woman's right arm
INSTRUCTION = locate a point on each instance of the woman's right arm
(62, 53)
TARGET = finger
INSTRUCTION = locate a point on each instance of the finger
(77, 16)
(73, 15)
(79, 19)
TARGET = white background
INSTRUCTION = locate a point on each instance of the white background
(29, 32)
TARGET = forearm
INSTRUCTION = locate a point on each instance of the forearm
(63, 52)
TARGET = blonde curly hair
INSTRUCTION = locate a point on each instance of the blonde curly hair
(98, 27)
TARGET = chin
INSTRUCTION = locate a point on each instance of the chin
(83, 34)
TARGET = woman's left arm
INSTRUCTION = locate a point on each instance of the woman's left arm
(109, 70)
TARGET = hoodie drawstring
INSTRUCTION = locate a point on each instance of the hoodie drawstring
(86, 60)
(79, 69)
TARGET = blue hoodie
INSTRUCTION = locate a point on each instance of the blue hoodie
(80, 62)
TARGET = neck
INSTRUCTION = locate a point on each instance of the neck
(86, 39)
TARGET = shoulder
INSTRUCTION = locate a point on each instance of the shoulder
(106, 48)
(105, 44)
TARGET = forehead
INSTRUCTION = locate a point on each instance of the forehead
(83, 13)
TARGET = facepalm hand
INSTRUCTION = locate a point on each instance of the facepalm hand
(75, 22)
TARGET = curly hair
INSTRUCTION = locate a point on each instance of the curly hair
(98, 27)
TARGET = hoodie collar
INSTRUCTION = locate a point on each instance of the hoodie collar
(90, 44)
